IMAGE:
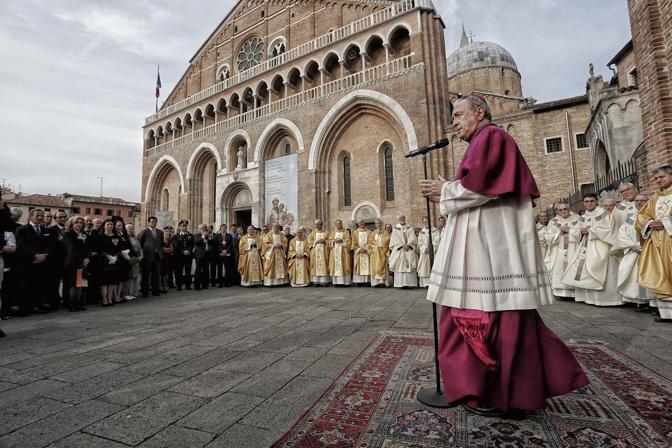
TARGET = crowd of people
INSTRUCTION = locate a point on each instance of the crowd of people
(57, 261)
(614, 253)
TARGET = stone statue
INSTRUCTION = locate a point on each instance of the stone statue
(591, 69)
(241, 158)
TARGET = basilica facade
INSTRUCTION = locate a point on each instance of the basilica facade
(312, 105)
(318, 101)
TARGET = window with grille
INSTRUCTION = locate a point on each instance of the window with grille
(581, 141)
(347, 196)
(553, 145)
(389, 174)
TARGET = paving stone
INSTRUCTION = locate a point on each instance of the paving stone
(26, 412)
(86, 372)
(93, 387)
(283, 408)
(169, 359)
(6, 386)
(210, 383)
(82, 440)
(57, 426)
(142, 420)
(272, 378)
(307, 353)
(201, 363)
(221, 412)
(177, 437)
(250, 362)
(28, 391)
(133, 392)
(245, 436)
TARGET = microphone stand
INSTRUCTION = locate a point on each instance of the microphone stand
(430, 396)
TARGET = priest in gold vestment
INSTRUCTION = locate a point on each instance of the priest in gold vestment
(299, 260)
(340, 265)
(379, 247)
(318, 243)
(654, 224)
(361, 254)
(274, 248)
(249, 260)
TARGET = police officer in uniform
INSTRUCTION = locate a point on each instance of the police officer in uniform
(183, 244)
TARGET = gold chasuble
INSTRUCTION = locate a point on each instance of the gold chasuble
(340, 265)
(379, 245)
(655, 261)
(362, 259)
(249, 262)
(318, 243)
(299, 263)
(274, 248)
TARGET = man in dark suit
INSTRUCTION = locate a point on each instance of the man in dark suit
(226, 258)
(183, 245)
(55, 264)
(203, 247)
(151, 240)
(32, 245)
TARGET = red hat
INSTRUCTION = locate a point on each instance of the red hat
(476, 95)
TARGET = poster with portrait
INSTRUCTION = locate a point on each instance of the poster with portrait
(281, 191)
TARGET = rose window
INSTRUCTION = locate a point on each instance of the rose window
(250, 54)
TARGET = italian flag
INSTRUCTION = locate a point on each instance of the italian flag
(158, 87)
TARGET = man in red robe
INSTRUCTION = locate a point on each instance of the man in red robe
(495, 353)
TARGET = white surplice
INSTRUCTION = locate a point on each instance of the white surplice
(541, 234)
(404, 263)
(627, 248)
(424, 266)
(593, 272)
(561, 249)
(489, 257)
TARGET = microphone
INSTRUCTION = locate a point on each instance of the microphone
(425, 149)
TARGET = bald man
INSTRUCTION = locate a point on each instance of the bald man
(403, 254)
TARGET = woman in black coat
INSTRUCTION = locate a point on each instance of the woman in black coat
(77, 255)
(109, 254)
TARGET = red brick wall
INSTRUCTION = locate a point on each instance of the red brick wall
(650, 21)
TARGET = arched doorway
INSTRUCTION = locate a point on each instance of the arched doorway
(237, 205)
(603, 167)
(162, 194)
(202, 174)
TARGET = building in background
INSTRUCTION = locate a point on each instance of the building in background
(328, 96)
(73, 204)
(652, 45)
(551, 135)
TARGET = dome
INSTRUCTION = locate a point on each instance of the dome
(473, 55)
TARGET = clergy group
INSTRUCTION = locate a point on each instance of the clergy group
(396, 256)
(614, 253)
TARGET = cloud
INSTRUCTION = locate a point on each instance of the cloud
(77, 76)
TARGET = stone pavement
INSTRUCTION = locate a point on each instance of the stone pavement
(225, 367)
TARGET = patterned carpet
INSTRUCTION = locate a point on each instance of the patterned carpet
(372, 404)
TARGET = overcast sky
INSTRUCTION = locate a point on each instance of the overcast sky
(77, 76)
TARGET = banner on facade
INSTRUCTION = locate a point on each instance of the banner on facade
(281, 191)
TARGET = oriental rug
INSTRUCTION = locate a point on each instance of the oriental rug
(372, 404)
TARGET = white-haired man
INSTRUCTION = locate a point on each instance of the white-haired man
(403, 254)
(495, 353)
(626, 209)
(562, 244)
(627, 249)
